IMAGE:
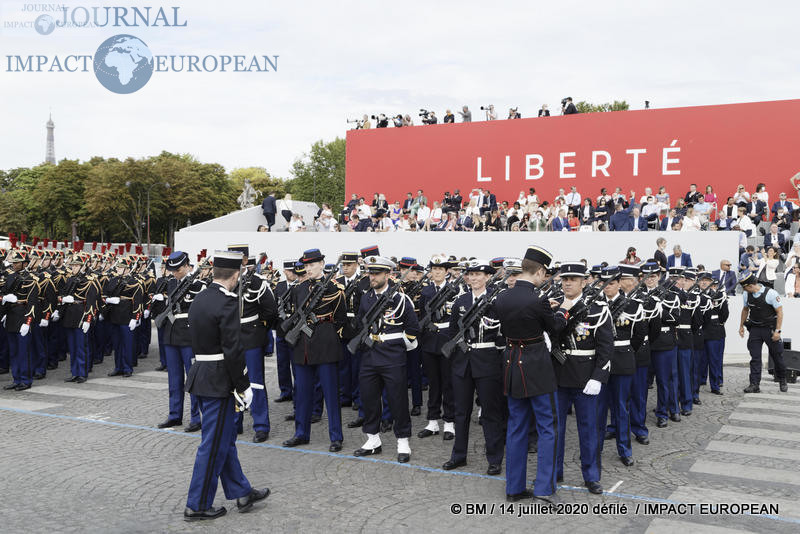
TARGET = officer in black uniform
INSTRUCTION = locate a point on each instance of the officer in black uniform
(478, 369)
(588, 345)
(383, 365)
(283, 350)
(762, 315)
(529, 378)
(664, 352)
(158, 305)
(413, 283)
(699, 357)
(123, 300)
(80, 304)
(714, 337)
(689, 321)
(20, 297)
(218, 378)
(349, 394)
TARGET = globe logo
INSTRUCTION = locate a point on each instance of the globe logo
(44, 24)
(123, 64)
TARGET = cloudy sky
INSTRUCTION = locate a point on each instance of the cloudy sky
(339, 60)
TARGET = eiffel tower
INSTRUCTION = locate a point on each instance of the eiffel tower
(50, 157)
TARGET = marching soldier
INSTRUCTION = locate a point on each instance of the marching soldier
(529, 381)
(144, 331)
(178, 339)
(478, 369)
(218, 379)
(48, 299)
(56, 339)
(20, 296)
(383, 365)
(714, 338)
(762, 315)
(318, 354)
(664, 351)
(79, 308)
(699, 356)
(588, 346)
(158, 305)
(123, 300)
(349, 393)
(688, 322)
(283, 351)
(412, 285)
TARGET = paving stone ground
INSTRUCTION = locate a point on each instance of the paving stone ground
(76, 464)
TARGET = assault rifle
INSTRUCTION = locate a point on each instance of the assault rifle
(468, 321)
(433, 307)
(175, 297)
(590, 295)
(298, 322)
(369, 323)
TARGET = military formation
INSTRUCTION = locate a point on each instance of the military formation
(524, 342)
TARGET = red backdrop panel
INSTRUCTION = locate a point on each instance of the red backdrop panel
(720, 146)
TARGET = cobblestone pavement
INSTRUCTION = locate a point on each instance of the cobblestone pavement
(88, 458)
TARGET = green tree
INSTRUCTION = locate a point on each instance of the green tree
(588, 107)
(18, 210)
(319, 175)
(58, 196)
(262, 181)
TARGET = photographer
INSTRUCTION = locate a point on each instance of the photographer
(567, 107)
(365, 124)
(513, 113)
(466, 114)
(407, 121)
(449, 118)
(428, 117)
(398, 121)
(544, 111)
(491, 114)
(382, 121)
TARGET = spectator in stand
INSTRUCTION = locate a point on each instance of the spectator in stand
(660, 254)
(648, 192)
(680, 207)
(407, 203)
(793, 256)
(544, 111)
(748, 262)
(782, 202)
(601, 213)
(513, 113)
(489, 202)
(650, 210)
(383, 204)
(663, 198)
(472, 207)
(352, 203)
(620, 221)
(537, 222)
(352, 221)
(262, 228)
(568, 108)
(493, 221)
(776, 239)
(691, 222)
(418, 201)
(491, 114)
(456, 200)
(604, 196)
(451, 224)
(522, 199)
(703, 210)
(574, 221)
(741, 197)
(374, 204)
(464, 221)
(524, 222)
(560, 223)
(710, 196)
(792, 286)
(395, 212)
(668, 222)
(784, 222)
(514, 214)
(679, 258)
(466, 114)
(756, 209)
(435, 217)
(638, 223)
(269, 209)
(532, 198)
(573, 199)
(423, 214)
(448, 118)
(744, 223)
(407, 120)
(729, 210)
(726, 279)
(296, 223)
(364, 211)
(617, 197)
(560, 197)
(761, 191)
(586, 214)
(631, 258)
(384, 223)
(693, 196)
(767, 267)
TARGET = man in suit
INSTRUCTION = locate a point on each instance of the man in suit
(269, 209)
(489, 201)
(620, 221)
(756, 209)
(725, 277)
(679, 258)
(407, 203)
(668, 221)
(464, 222)
(638, 223)
(782, 203)
(659, 255)
(693, 196)
(775, 239)
(561, 223)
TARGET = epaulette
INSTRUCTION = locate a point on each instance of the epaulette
(228, 293)
(338, 285)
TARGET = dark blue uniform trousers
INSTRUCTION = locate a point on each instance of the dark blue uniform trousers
(162, 354)
(38, 349)
(760, 335)
(586, 417)
(123, 348)
(259, 409)
(284, 360)
(685, 378)
(143, 335)
(179, 361)
(638, 404)
(304, 398)
(665, 364)
(78, 344)
(519, 418)
(348, 376)
(415, 376)
(56, 341)
(19, 354)
(490, 396)
(700, 374)
(4, 359)
(714, 351)
(216, 456)
(615, 397)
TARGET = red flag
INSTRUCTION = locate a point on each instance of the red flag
(46, 241)
(94, 245)
(103, 249)
(166, 252)
(127, 247)
(22, 238)
(35, 240)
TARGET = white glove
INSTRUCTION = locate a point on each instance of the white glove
(132, 325)
(243, 399)
(112, 300)
(43, 323)
(248, 397)
(159, 297)
(56, 316)
(69, 299)
(100, 317)
(592, 387)
(11, 297)
(24, 329)
(85, 327)
(146, 314)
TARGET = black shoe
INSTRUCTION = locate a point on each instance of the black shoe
(697, 401)
(261, 437)
(289, 417)
(240, 431)
(193, 427)
(644, 440)
(594, 487)
(294, 441)
(675, 417)
(661, 422)
(71, 379)
(716, 392)
(687, 413)
(447, 436)
(354, 407)
(367, 452)
(11, 386)
(161, 368)
(245, 504)
(783, 386)
(211, 513)
(3, 371)
(355, 423)
(415, 410)
(127, 375)
(344, 404)
(560, 479)
(403, 457)
(52, 366)
(22, 387)
(609, 435)
(533, 447)
(316, 419)
(752, 388)
(626, 460)
(494, 469)
(386, 426)
(336, 446)
(424, 433)
(449, 465)
(169, 423)
(524, 494)
(38, 376)
(283, 399)
(80, 380)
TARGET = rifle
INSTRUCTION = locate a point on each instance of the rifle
(426, 323)
(590, 295)
(283, 301)
(369, 323)
(175, 297)
(416, 288)
(244, 281)
(467, 322)
(298, 322)
(621, 303)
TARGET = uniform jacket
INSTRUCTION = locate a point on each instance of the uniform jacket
(258, 311)
(27, 292)
(481, 361)
(432, 342)
(177, 333)
(82, 288)
(594, 334)
(324, 345)
(398, 317)
(130, 294)
(627, 337)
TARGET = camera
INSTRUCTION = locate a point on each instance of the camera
(484, 108)
(381, 120)
(358, 122)
(424, 113)
(563, 102)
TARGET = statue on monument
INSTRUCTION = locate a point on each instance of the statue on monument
(248, 195)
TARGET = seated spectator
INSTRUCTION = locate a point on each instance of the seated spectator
(364, 210)
(451, 224)
(435, 216)
(603, 196)
(741, 197)
(748, 260)
(560, 223)
(601, 212)
(680, 207)
(574, 222)
(702, 209)
(480, 224)
(587, 214)
(793, 256)
(537, 222)
(352, 203)
(423, 214)
(532, 198)
(561, 197)
(573, 198)
(522, 199)
(464, 221)
(638, 223)
(472, 208)
(514, 214)
(761, 191)
(375, 201)
(648, 192)
(456, 200)
(650, 209)
(782, 202)
(776, 239)
(693, 196)
(383, 223)
(631, 258)
(407, 203)
(662, 198)
(524, 222)
(296, 223)
(395, 212)
(756, 209)
(725, 278)
(792, 286)
(679, 258)
(691, 222)
(493, 222)
(729, 210)
(744, 223)
(767, 267)
(710, 196)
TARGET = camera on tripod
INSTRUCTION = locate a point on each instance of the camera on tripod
(381, 120)
(358, 122)
(424, 113)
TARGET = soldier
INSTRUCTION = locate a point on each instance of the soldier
(79, 300)
(762, 315)
(318, 354)
(688, 322)
(258, 312)
(144, 331)
(588, 344)
(123, 299)
(158, 305)
(383, 365)
(283, 351)
(178, 338)
(218, 379)
(529, 381)
(477, 369)
(714, 337)
(55, 340)
(48, 299)
(349, 394)
(664, 351)
(413, 284)
(20, 296)
(5, 272)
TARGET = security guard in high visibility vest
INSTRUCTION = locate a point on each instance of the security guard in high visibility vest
(762, 315)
